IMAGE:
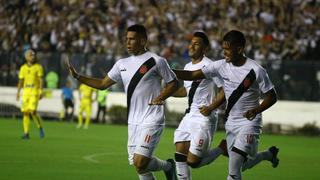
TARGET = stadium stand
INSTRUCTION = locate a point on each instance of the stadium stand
(283, 36)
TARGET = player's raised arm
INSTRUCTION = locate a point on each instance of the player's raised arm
(90, 81)
(189, 75)
(170, 88)
(269, 99)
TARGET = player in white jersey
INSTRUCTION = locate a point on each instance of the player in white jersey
(244, 82)
(195, 132)
(141, 75)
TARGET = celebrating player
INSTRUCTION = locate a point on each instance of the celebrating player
(243, 80)
(195, 132)
(141, 75)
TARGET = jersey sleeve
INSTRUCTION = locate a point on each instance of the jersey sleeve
(264, 81)
(22, 72)
(211, 70)
(115, 73)
(164, 70)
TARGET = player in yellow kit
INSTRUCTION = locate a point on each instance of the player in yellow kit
(86, 98)
(30, 80)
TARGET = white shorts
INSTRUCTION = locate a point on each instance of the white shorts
(245, 138)
(142, 139)
(197, 131)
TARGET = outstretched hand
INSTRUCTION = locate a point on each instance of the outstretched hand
(72, 70)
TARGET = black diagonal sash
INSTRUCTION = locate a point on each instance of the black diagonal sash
(143, 69)
(192, 91)
(237, 93)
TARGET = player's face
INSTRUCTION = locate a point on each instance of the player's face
(196, 48)
(230, 53)
(30, 56)
(135, 44)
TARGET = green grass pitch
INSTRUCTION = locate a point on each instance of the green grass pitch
(100, 153)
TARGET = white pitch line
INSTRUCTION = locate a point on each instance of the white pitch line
(91, 157)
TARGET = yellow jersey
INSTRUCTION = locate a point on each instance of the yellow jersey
(31, 76)
(86, 92)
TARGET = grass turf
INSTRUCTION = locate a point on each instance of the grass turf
(100, 153)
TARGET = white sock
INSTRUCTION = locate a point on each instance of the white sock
(183, 171)
(147, 176)
(156, 164)
(235, 165)
(210, 156)
(265, 155)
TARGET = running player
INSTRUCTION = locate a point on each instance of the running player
(195, 132)
(244, 82)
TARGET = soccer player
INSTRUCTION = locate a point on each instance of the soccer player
(195, 132)
(244, 82)
(86, 97)
(141, 75)
(30, 80)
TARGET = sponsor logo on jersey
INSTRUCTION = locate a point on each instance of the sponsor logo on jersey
(143, 69)
(246, 82)
(124, 69)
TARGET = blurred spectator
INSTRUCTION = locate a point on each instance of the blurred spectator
(95, 26)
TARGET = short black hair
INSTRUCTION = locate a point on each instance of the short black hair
(139, 29)
(235, 38)
(203, 36)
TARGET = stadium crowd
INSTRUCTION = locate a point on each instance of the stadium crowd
(275, 29)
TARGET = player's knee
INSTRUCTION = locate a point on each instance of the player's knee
(240, 152)
(180, 157)
(140, 165)
(194, 164)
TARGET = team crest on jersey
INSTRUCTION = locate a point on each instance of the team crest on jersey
(246, 82)
(143, 69)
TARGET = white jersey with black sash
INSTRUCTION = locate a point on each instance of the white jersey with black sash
(141, 77)
(242, 86)
(200, 92)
